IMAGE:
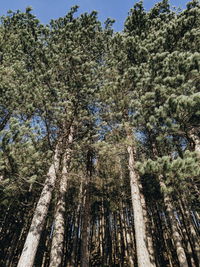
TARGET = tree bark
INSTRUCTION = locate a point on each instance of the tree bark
(31, 244)
(148, 229)
(85, 258)
(85, 232)
(102, 232)
(77, 228)
(143, 257)
(175, 233)
(170, 210)
(192, 235)
(56, 254)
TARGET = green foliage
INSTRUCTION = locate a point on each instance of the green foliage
(138, 88)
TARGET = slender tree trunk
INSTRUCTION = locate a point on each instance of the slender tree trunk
(196, 141)
(127, 237)
(168, 246)
(108, 239)
(102, 232)
(33, 237)
(148, 229)
(85, 232)
(59, 222)
(187, 241)
(119, 242)
(170, 210)
(115, 238)
(192, 235)
(123, 240)
(77, 227)
(56, 254)
(11, 249)
(85, 257)
(143, 257)
(175, 233)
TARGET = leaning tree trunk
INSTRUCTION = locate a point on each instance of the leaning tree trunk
(143, 257)
(56, 254)
(31, 244)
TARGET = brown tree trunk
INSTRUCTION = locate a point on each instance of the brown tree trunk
(85, 232)
(175, 233)
(31, 244)
(77, 227)
(85, 257)
(192, 235)
(148, 229)
(130, 242)
(170, 210)
(56, 254)
(143, 257)
(102, 232)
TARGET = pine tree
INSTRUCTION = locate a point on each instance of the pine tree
(99, 139)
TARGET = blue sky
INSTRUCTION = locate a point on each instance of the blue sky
(52, 9)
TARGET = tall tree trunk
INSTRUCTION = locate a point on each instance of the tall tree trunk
(86, 215)
(102, 232)
(173, 223)
(130, 242)
(143, 257)
(187, 240)
(175, 233)
(31, 244)
(85, 231)
(115, 238)
(123, 241)
(77, 227)
(56, 254)
(148, 229)
(192, 235)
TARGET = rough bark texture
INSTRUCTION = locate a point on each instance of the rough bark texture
(148, 229)
(31, 244)
(139, 223)
(59, 220)
(175, 233)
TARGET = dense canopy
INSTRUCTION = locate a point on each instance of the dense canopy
(100, 139)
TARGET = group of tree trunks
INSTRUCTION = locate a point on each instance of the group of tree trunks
(100, 139)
